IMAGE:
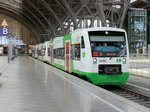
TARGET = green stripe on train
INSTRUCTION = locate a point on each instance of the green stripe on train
(59, 66)
(46, 61)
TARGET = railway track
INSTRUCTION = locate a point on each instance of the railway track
(130, 94)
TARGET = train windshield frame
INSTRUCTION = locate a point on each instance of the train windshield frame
(108, 44)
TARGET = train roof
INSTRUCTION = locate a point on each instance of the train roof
(100, 28)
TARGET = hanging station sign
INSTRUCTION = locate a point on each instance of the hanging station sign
(4, 31)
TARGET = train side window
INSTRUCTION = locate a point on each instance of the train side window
(82, 42)
(59, 53)
(62, 54)
(55, 55)
(48, 51)
(77, 52)
(72, 52)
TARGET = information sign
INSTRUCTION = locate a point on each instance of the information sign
(4, 31)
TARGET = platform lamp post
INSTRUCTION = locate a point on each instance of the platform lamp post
(10, 48)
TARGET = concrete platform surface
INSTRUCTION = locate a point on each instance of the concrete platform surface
(140, 67)
(28, 85)
(139, 81)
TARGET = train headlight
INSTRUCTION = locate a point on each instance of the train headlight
(106, 32)
(94, 61)
(124, 60)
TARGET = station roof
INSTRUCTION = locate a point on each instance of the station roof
(50, 18)
(142, 4)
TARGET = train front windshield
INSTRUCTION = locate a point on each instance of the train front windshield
(108, 44)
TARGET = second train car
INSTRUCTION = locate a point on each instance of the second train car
(100, 54)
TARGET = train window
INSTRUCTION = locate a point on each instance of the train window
(62, 53)
(72, 52)
(55, 53)
(41, 53)
(82, 42)
(43, 50)
(38, 52)
(77, 51)
(111, 44)
(59, 53)
(48, 51)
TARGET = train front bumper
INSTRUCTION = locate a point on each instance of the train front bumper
(115, 79)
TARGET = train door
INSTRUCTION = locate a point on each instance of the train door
(67, 56)
(51, 54)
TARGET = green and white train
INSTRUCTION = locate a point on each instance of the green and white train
(100, 54)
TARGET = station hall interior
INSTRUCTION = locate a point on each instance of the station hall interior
(75, 55)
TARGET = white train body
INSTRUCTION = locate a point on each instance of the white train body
(100, 54)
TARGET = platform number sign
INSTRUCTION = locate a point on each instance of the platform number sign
(4, 31)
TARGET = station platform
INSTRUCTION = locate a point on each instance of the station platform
(28, 85)
(140, 66)
(139, 81)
